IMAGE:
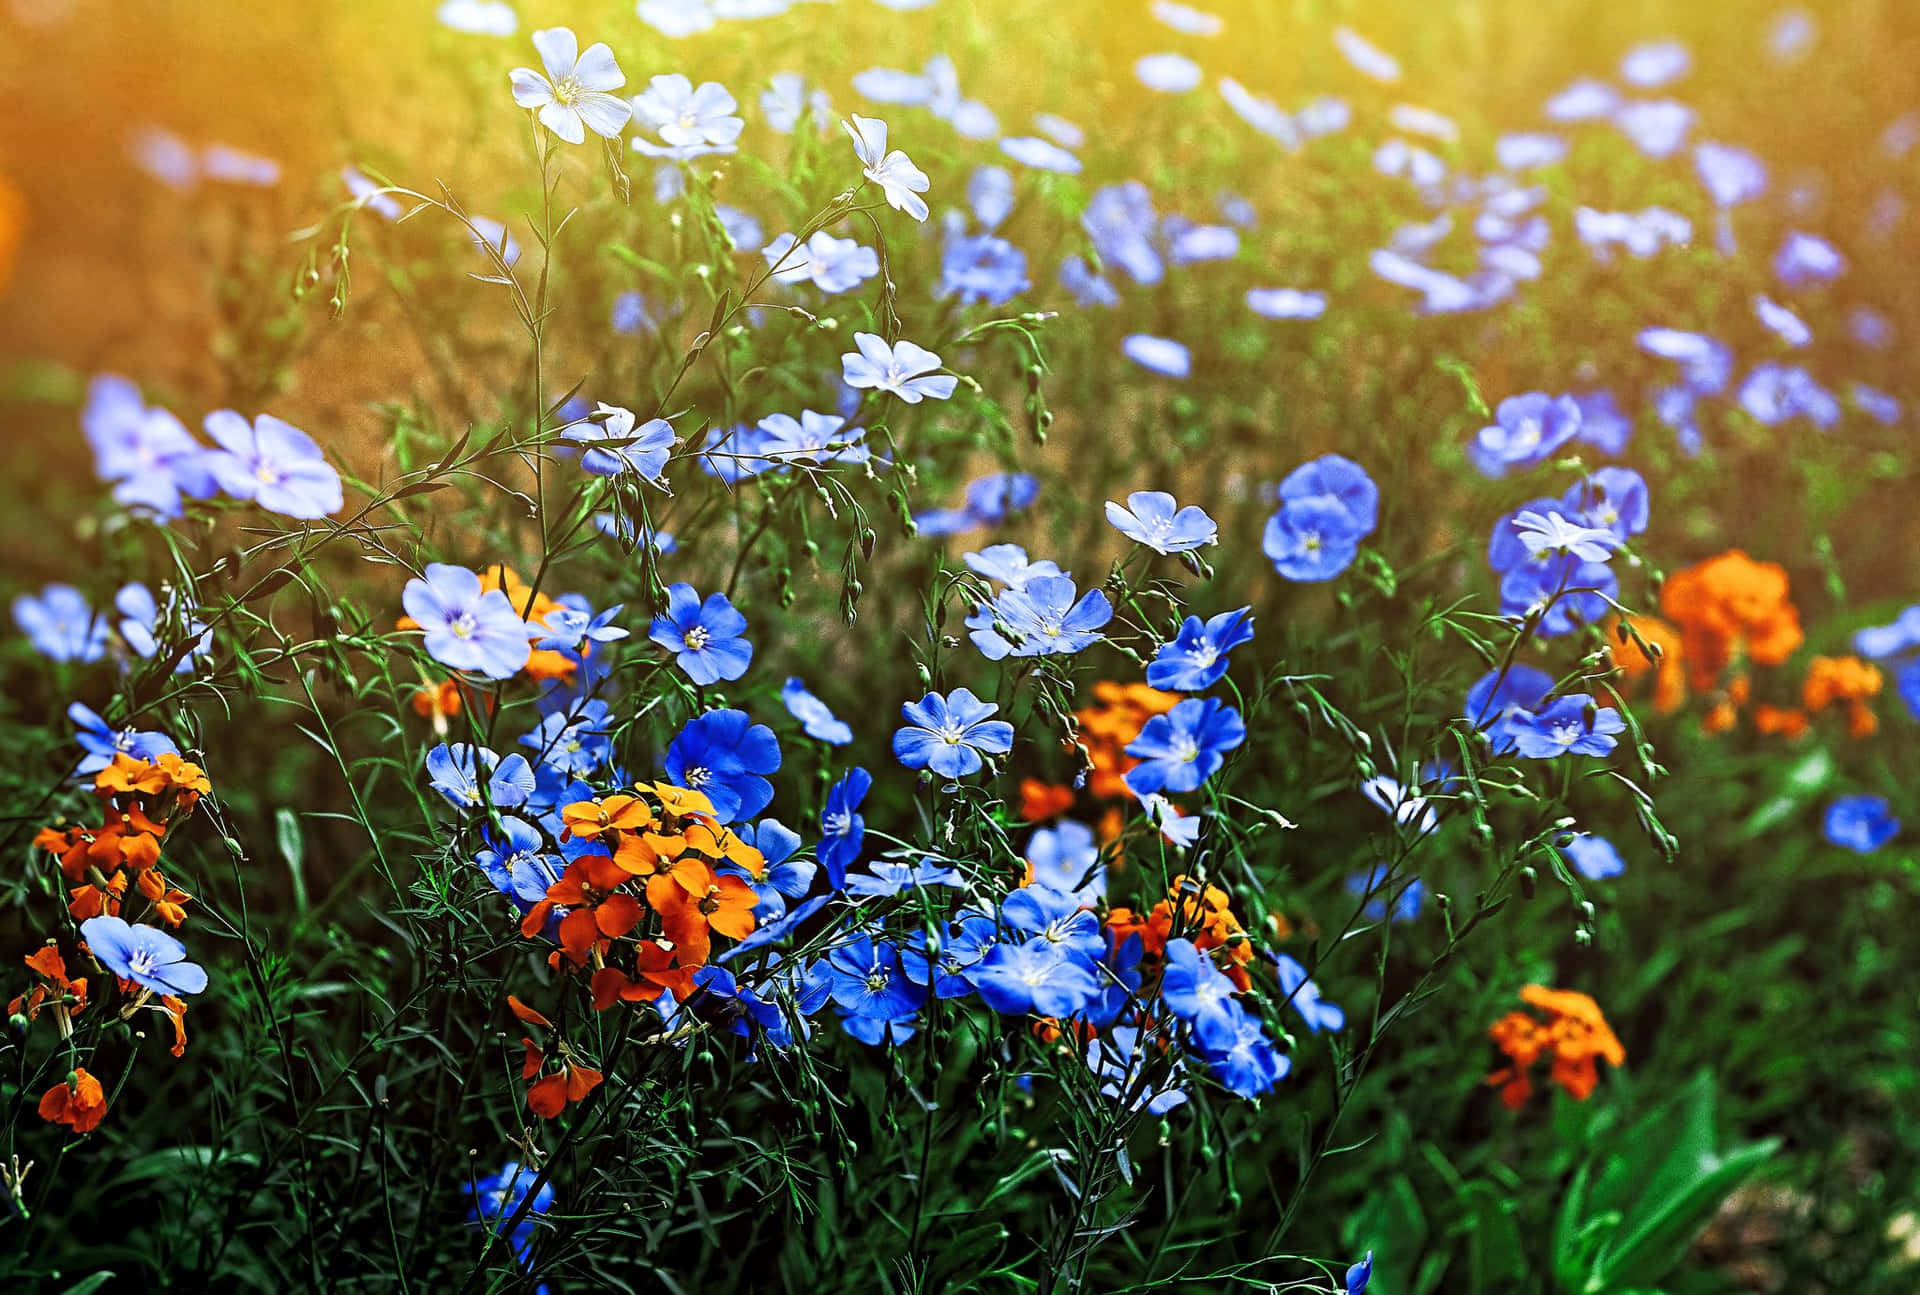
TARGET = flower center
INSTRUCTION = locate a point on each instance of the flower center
(463, 625)
(952, 734)
(567, 91)
(836, 824)
(1310, 541)
(141, 963)
(1527, 435)
(877, 980)
(265, 473)
(1566, 734)
(698, 778)
(1186, 750)
(1205, 655)
(697, 638)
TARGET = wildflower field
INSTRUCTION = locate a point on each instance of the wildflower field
(960, 645)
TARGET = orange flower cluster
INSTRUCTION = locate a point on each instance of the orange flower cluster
(80, 1103)
(1573, 1035)
(658, 885)
(1040, 801)
(54, 993)
(550, 1090)
(441, 700)
(1115, 719)
(1196, 910)
(142, 800)
(1668, 669)
(1843, 682)
(1731, 609)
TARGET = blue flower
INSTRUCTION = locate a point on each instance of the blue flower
(1359, 1275)
(1806, 258)
(1249, 1065)
(866, 980)
(1569, 725)
(945, 966)
(1055, 916)
(907, 371)
(833, 265)
(1196, 659)
(1706, 364)
(690, 122)
(990, 500)
(1161, 355)
(148, 455)
(102, 742)
(892, 877)
(1527, 432)
(1730, 175)
(1602, 425)
(145, 955)
(1657, 127)
(1407, 806)
(499, 1196)
(842, 828)
(61, 624)
(467, 627)
(140, 627)
(815, 718)
(1549, 533)
(630, 315)
(982, 268)
(1120, 221)
(706, 638)
(1501, 700)
(455, 772)
(575, 742)
(1311, 539)
(1371, 886)
(900, 181)
(1615, 498)
(1047, 616)
(722, 754)
(783, 877)
(274, 464)
(516, 861)
(1341, 479)
(788, 101)
(1200, 994)
(1184, 747)
(1593, 857)
(1009, 564)
(1065, 859)
(1775, 393)
(1122, 1065)
(573, 627)
(1566, 591)
(1860, 823)
(950, 734)
(1304, 996)
(1882, 641)
(1036, 975)
(613, 445)
(1150, 518)
(811, 438)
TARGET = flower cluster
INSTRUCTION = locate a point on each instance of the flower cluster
(1572, 1036)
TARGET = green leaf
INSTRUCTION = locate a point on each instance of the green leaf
(286, 832)
(88, 1285)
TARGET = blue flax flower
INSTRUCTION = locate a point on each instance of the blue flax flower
(1501, 701)
(1161, 355)
(1066, 859)
(1046, 616)
(1009, 564)
(815, 718)
(146, 955)
(1311, 539)
(1249, 1065)
(1527, 431)
(950, 734)
(1151, 518)
(842, 829)
(101, 741)
(707, 638)
(1593, 857)
(893, 877)
(574, 741)
(61, 624)
(1184, 747)
(1057, 917)
(611, 444)
(274, 464)
(866, 980)
(1569, 725)
(456, 771)
(1359, 1275)
(497, 1198)
(1196, 659)
(722, 754)
(517, 862)
(1123, 1065)
(910, 372)
(1860, 823)
(1035, 975)
(1199, 993)
(467, 626)
(1304, 996)
(945, 965)
(1371, 886)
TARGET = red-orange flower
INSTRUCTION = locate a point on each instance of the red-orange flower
(1731, 608)
(1040, 801)
(55, 992)
(80, 1103)
(1574, 1036)
(1846, 683)
(590, 887)
(548, 1095)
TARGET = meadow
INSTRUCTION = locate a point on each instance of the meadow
(953, 645)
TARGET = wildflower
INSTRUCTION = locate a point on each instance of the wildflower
(576, 629)
(982, 268)
(54, 993)
(787, 101)
(990, 194)
(811, 438)
(548, 1095)
(1037, 975)
(676, 18)
(722, 754)
(79, 1102)
(892, 877)
(1528, 430)
(1040, 801)
(1304, 996)
(1552, 533)
(1845, 682)
(1160, 355)
(1105, 729)
(145, 955)
(690, 122)
(1593, 857)
(1503, 699)
(1065, 860)
(1407, 806)
(899, 179)
(1341, 479)
(516, 862)
(1286, 303)
(707, 638)
(149, 456)
(832, 264)
(1249, 1066)
(1657, 127)
(1365, 56)
(478, 17)
(949, 734)
(1727, 607)
(1359, 1275)
(1569, 725)
(1197, 992)
(140, 625)
(1040, 154)
(866, 978)
(901, 368)
(455, 772)
(1774, 393)
(1805, 259)
(1044, 616)
(1706, 364)
(498, 1198)
(1882, 641)
(60, 624)
(1311, 539)
(574, 742)
(1860, 823)
(1010, 565)
(1179, 830)
(815, 718)
(572, 98)
(102, 742)
(1186, 19)
(641, 450)
(1196, 659)
(1183, 748)
(842, 829)
(1574, 1035)
(1168, 73)
(1612, 498)
(467, 627)
(1150, 518)
(1371, 885)
(274, 464)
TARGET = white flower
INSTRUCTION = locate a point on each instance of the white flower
(1550, 531)
(675, 18)
(894, 172)
(691, 122)
(479, 17)
(572, 97)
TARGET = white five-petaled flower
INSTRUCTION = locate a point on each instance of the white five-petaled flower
(1551, 531)
(899, 179)
(572, 98)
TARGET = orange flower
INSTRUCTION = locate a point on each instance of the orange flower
(55, 993)
(587, 819)
(175, 1010)
(1040, 801)
(437, 702)
(1779, 721)
(1575, 1035)
(1846, 682)
(1668, 668)
(80, 1103)
(590, 887)
(1730, 608)
(89, 900)
(548, 1096)
(168, 901)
